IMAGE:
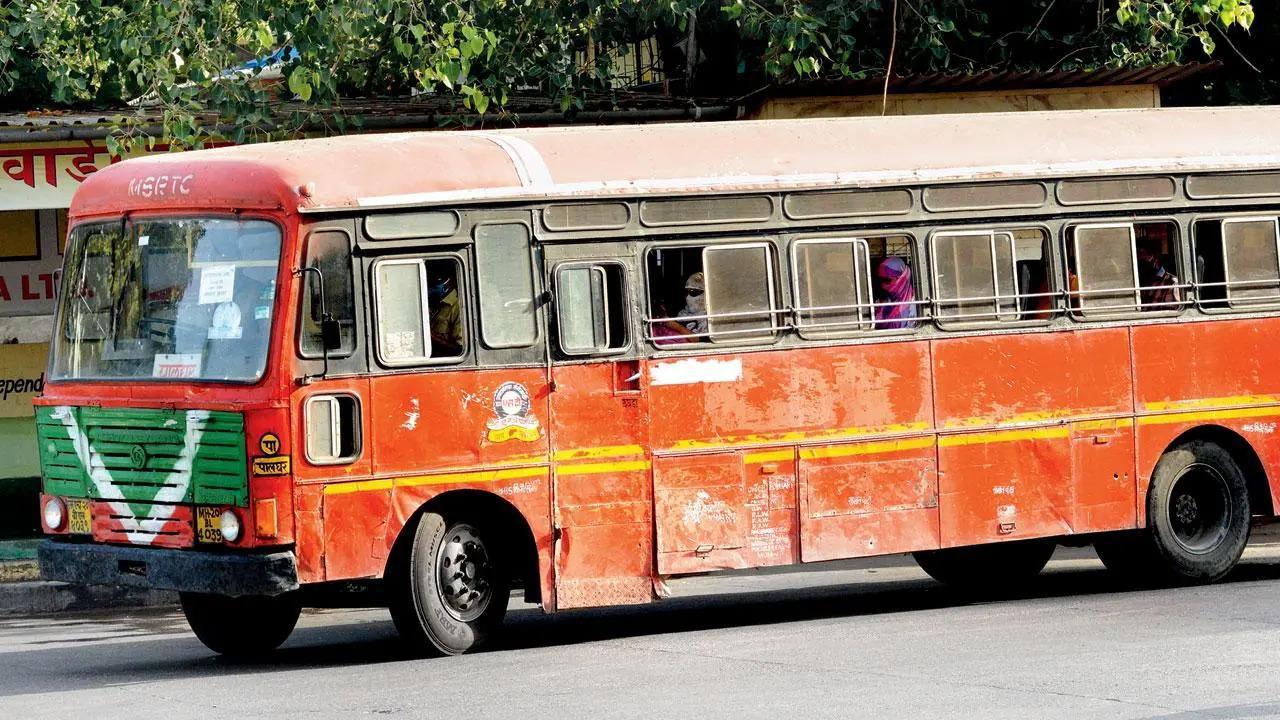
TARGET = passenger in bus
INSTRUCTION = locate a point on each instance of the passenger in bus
(1038, 300)
(1159, 289)
(666, 331)
(695, 304)
(446, 314)
(895, 295)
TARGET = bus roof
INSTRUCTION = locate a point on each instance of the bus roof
(429, 168)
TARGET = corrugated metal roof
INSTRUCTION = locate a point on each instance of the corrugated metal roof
(429, 111)
(1160, 75)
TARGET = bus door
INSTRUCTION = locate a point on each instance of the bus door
(330, 413)
(602, 501)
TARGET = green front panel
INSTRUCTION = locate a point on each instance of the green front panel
(176, 456)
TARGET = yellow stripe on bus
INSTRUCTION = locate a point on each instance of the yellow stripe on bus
(1199, 403)
(999, 436)
(833, 435)
(605, 467)
(870, 448)
(592, 453)
(473, 476)
(1234, 414)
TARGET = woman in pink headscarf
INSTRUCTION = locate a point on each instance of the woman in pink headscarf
(895, 295)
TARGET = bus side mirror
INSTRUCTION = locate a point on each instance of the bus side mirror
(331, 334)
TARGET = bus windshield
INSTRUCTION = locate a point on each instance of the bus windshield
(165, 299)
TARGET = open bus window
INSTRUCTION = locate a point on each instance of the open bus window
(330, 252)
(716, 293)
(854, 284)
(991, 276)
(505, 271)
(419, 310)
(1237, 262)
(333, 429)
(1119, 268)
(591, 308)
(181, 298)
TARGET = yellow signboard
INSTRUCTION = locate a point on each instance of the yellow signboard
(21, 377)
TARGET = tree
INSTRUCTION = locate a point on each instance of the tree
(187, 60)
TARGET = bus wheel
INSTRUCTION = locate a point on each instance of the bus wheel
(1197, 513)
(990, 566)
(241, 627)
(452, 593)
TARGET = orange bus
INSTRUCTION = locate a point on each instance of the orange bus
(580, 361)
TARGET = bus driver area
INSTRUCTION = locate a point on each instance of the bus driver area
(581, 377)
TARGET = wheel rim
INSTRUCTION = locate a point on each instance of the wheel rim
(465, 573)
(1199, 510)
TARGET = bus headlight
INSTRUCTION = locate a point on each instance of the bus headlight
(229, 523)
(55, 513)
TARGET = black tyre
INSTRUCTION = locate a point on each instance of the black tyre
(987, 567)
(452, 589)
(241, 627)
(1198, 515)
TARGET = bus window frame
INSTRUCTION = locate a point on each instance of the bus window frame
(860, 326)
(776, 308)
(421, 259)
(1235, 306)
(534, 283)
(624, 294)
(777, 298)
(357, 329)
(993, 319)
(1078, 314)
(357, 428)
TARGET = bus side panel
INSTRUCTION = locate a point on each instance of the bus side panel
(868, 498)
(603, 503)
(719, 511)
(1220, 373)
(436, 421)
(438, 431)
(810, 399)
(347, 548)
(1007, 468)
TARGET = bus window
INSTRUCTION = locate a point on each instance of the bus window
(505, 270)
(832, 286)
(716, 293)
(591, 308)
(419, 310)
(740, 291)
(856, 284)
(991, 276)
(1118, 268)
(330, 252)
(1237, 262)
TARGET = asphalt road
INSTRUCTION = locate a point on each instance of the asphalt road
(852, 640)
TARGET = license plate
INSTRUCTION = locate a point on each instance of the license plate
(209, 524)
(79, 521)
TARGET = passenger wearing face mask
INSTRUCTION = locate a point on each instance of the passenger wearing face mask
(695, 304)
(446, 316)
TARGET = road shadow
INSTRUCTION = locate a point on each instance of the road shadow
(90, 665)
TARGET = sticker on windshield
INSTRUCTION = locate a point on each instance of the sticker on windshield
(262, 312)
(217, 283)
(186, 365)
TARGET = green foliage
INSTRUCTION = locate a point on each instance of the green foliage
(177, 55)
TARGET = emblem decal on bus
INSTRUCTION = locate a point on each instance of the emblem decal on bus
(512, 419)
(272, 464)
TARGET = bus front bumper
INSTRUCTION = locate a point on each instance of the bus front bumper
(165, 569)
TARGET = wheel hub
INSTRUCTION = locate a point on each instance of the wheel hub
(464, 573)
(1199, 508)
